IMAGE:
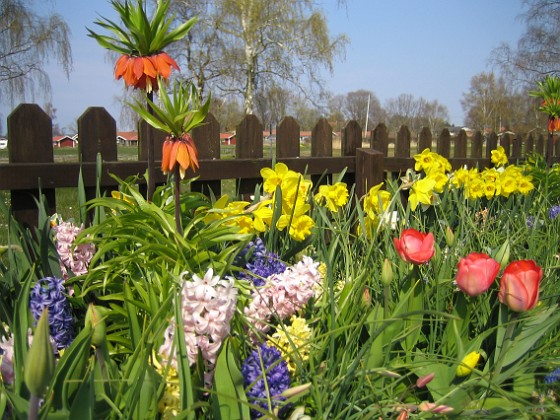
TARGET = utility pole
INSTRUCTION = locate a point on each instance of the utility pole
(367, 116)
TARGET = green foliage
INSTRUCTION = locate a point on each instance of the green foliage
(136, 34)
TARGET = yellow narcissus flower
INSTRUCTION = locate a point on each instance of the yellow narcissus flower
(468, 364)
(333, 196)
(474, 189)
(508, 184)
(460, 177)
(376, 201)
(273, 177)
(424, 160)
(262, 216)
(440, 179)
(422, 192)
(499, 157)
(300, 224)
(490, 189)
(524, 185)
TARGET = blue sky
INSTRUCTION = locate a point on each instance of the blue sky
(427, 48)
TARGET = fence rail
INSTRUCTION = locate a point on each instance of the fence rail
(31, 158)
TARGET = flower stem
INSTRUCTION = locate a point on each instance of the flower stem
(33, 413)
(177, 196)
(151, 152)
(506, 343)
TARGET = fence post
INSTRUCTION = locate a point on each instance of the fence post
(321, 146)
(287, 138)
(351, 141)
(505, 142)
(444, 143)
(516, 144)
(97, 134)
(425, 140)
(380, 139)
(30, 134)
(476, 145)
(369, 170)
(460, 150)
(402, 147)
(207, 140)
(540, 145)
(491, 144)
(249, 144)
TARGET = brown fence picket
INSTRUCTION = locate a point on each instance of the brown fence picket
(425, 139)
(287, 138)
(30, 134)
(402, 146)
(444, 143)
(491, 144)
(97, 133)
(321, 146)
(476, 145)
(460, 150)
(207, 140)
(380, 139)
(249, 144)
(351, 140)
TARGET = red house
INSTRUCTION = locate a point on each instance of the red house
(65, 141)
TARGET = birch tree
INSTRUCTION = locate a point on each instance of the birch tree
(242, 47)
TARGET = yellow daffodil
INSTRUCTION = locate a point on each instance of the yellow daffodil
(293, 342)
(273, 177)
(422, 192)
(333, 196)
(424, 160)
(376, 201)
(525, 186)
(499, 157)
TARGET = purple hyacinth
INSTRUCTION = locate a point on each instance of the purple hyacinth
(49, 293)
(276, 374)
(260, 263)
(554, 212)
(553, 376)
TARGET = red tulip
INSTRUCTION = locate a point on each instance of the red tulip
(519, 286)
(415, 247)
(476, 273)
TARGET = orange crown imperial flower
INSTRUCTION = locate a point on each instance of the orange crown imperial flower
(142, 72)
(180, 151)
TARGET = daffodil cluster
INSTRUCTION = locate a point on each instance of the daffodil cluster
(500, 180)
(492, 182)
(282, 188)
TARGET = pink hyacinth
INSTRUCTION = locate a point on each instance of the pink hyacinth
(72, 257)
(283, 294)
(208, 304)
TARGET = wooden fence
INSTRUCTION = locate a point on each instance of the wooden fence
(31, 164)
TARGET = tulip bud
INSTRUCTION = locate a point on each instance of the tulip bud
(95, 319)
(366, 297)
(425, 380)
(39, 364)
(449, 237)
(294, 391)
(468, 364)
(387, 272)
(502, 255)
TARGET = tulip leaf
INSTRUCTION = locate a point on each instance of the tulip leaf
(526, 334)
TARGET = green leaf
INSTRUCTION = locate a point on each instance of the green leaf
(228, 386)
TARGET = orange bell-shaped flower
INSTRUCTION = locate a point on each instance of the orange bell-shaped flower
(142, 72)
(181, 151)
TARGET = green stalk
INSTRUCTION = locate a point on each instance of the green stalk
(33, 413)
(506, 342)
(177, 196)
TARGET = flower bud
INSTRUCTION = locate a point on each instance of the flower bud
(502, 255)
(39, 364)
(366, 297)
(468, 364)
(387, 272)
(294, 391)
(449, 237)
(425, 380)
(96, 320)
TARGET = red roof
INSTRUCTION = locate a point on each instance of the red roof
(128, 135)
